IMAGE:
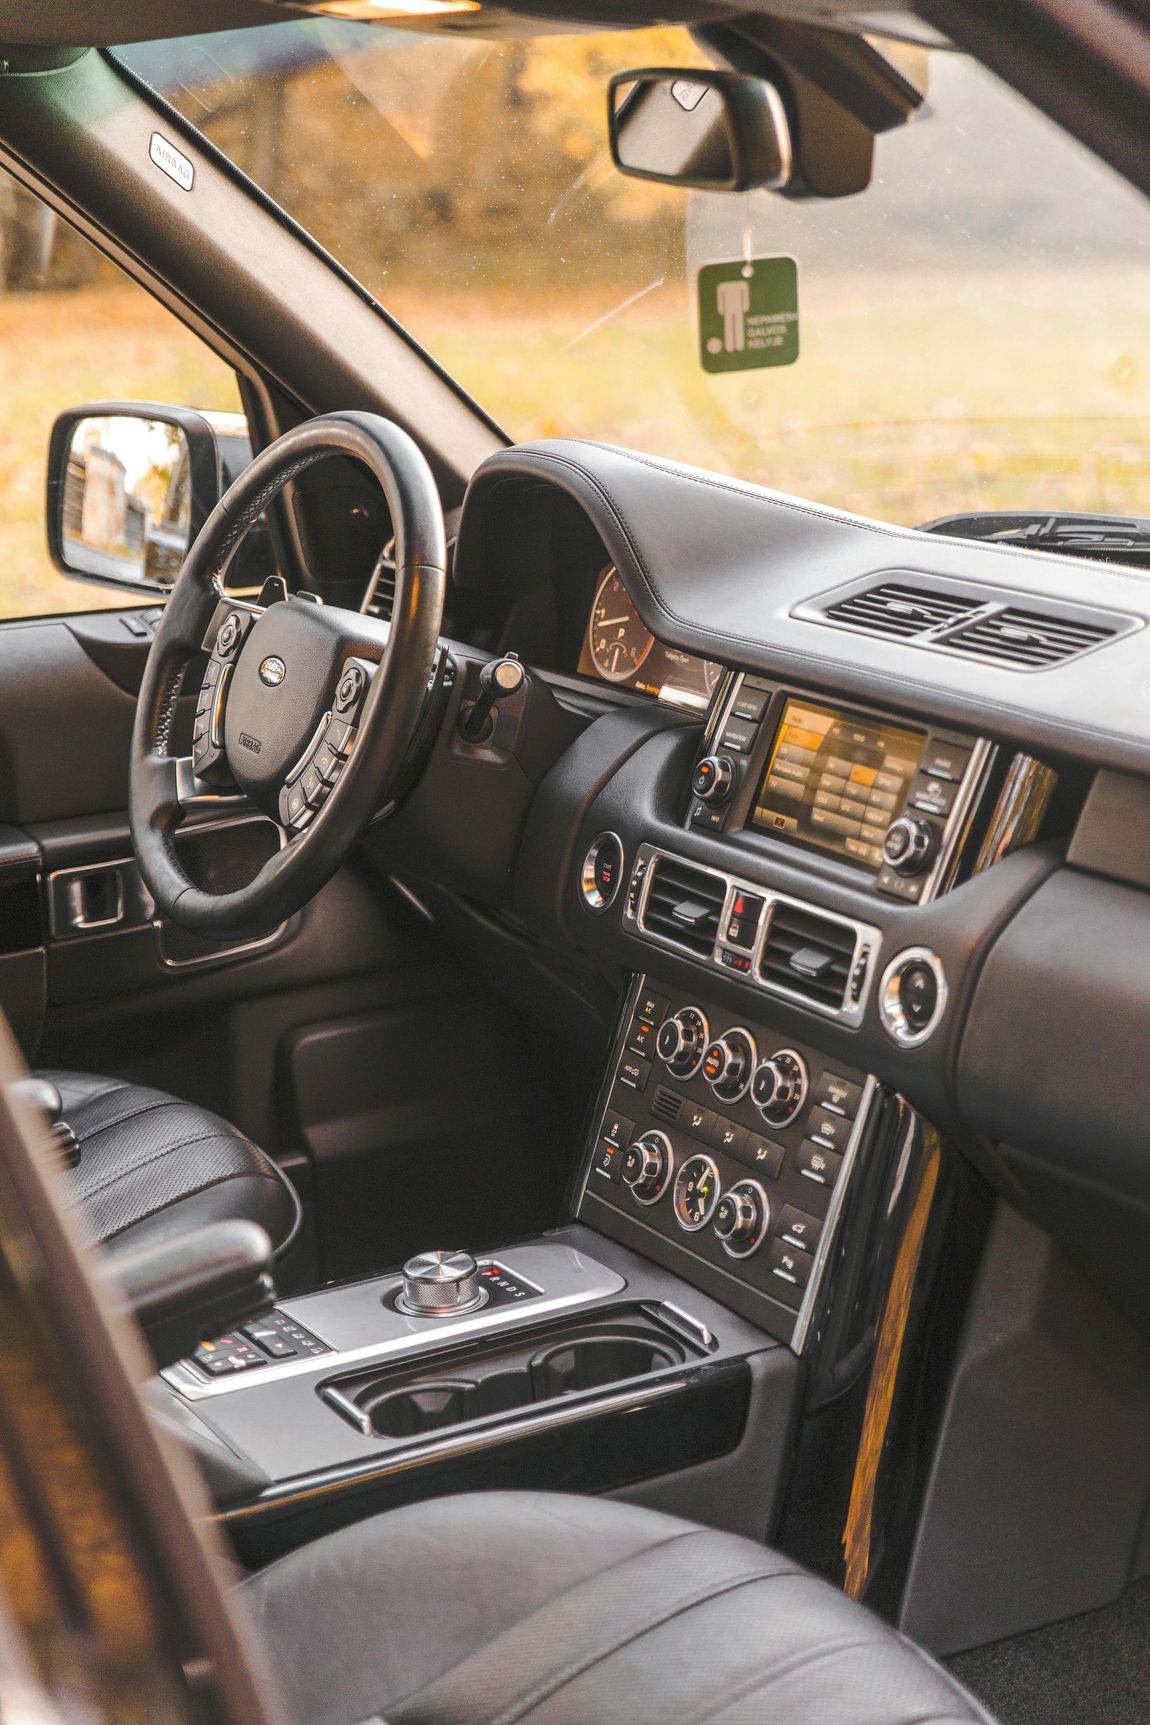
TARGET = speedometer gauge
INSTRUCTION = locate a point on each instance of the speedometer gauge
(617, 638)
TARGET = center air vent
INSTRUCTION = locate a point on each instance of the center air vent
(684, 905)
(903, 612)
(941, 615)
(1023, 638)
(808, 955)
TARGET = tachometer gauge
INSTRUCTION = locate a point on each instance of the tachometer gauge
(616, 635)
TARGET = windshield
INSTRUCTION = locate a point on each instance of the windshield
(973, 332)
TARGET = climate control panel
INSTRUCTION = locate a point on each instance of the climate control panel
(721, 1147)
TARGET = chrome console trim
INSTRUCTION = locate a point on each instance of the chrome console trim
(868, 939)
(805, 1319)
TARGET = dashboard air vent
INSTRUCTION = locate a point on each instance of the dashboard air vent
(1025, 639)
(666, 1106)
(380, 601)
(903, 612)
(808, 955)
(685, 904)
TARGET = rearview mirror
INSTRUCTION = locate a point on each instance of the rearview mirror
(712, 131)
(130, 484)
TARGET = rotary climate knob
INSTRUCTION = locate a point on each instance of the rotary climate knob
(647, 1166)
(779, 1087)
(439, 1284)
(728, 1064)
(682, 1040)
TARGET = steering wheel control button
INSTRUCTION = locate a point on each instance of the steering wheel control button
(602, 872)
(314, 788)
(340, 737)
(743, 1218)
(815, 1163)
(729, 1063)
(912, 996)
(351, 687)
(779, 1087)
(293, 801)
(697, 1192)
(230, 635)
(713, 779)
(441, 1285)
(910, 845)
(647, 1166)
(682, 1042)
(799, 1229)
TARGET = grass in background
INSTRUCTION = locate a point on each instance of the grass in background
(913, 397)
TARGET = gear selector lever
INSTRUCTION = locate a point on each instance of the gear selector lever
(441, 1285)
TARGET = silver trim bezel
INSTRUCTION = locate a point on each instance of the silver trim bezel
(804, 1088)
(669, 1152)
(868, 939)
(891, 1015)
(593, 899)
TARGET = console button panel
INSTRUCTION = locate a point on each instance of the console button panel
(746, 1176)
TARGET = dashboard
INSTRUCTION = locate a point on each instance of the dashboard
(884, 806)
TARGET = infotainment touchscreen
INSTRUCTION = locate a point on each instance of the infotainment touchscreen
(836, 780)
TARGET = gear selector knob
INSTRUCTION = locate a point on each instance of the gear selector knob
(438, 1284)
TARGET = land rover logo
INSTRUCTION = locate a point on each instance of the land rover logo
(272, 672)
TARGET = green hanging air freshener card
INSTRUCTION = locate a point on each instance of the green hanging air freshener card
(748, 313)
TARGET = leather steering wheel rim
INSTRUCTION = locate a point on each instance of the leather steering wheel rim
(402, 654)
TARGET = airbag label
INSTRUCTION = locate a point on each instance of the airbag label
(172, 162)
(748, 313)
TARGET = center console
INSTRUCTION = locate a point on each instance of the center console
(724, 1152)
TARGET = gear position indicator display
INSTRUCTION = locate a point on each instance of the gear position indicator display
(836, 780)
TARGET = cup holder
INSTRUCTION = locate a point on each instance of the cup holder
(593, 1362)
(389, 1404)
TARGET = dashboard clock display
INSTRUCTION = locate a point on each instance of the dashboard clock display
(619, 648)
(617, 637)
(696, 1193)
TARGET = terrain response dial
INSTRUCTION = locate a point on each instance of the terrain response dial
(779, 1087)
(742, 1218)
(647, 1166)
(682, 1041)
(729, 1064)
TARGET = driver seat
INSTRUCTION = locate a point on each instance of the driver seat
(151, 1167)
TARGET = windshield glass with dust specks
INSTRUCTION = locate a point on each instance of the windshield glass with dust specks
(971, 333)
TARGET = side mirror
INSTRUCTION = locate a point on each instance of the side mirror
(713, 131)
(130, 484)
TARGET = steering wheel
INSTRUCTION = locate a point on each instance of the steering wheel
(309, 710)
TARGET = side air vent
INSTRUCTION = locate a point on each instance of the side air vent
(902, 612)
(684, 905)
(380, 601)
(1027, 640)
(808, 955)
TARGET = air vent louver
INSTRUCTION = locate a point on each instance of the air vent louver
(382, 600)
(902, 612)
(808, 955)
(666, 1106)
(684, 905)
(1025, 639)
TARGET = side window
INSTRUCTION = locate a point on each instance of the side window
(73, 328)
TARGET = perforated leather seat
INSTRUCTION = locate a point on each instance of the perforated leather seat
(517, 1606)
(152, 1167)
